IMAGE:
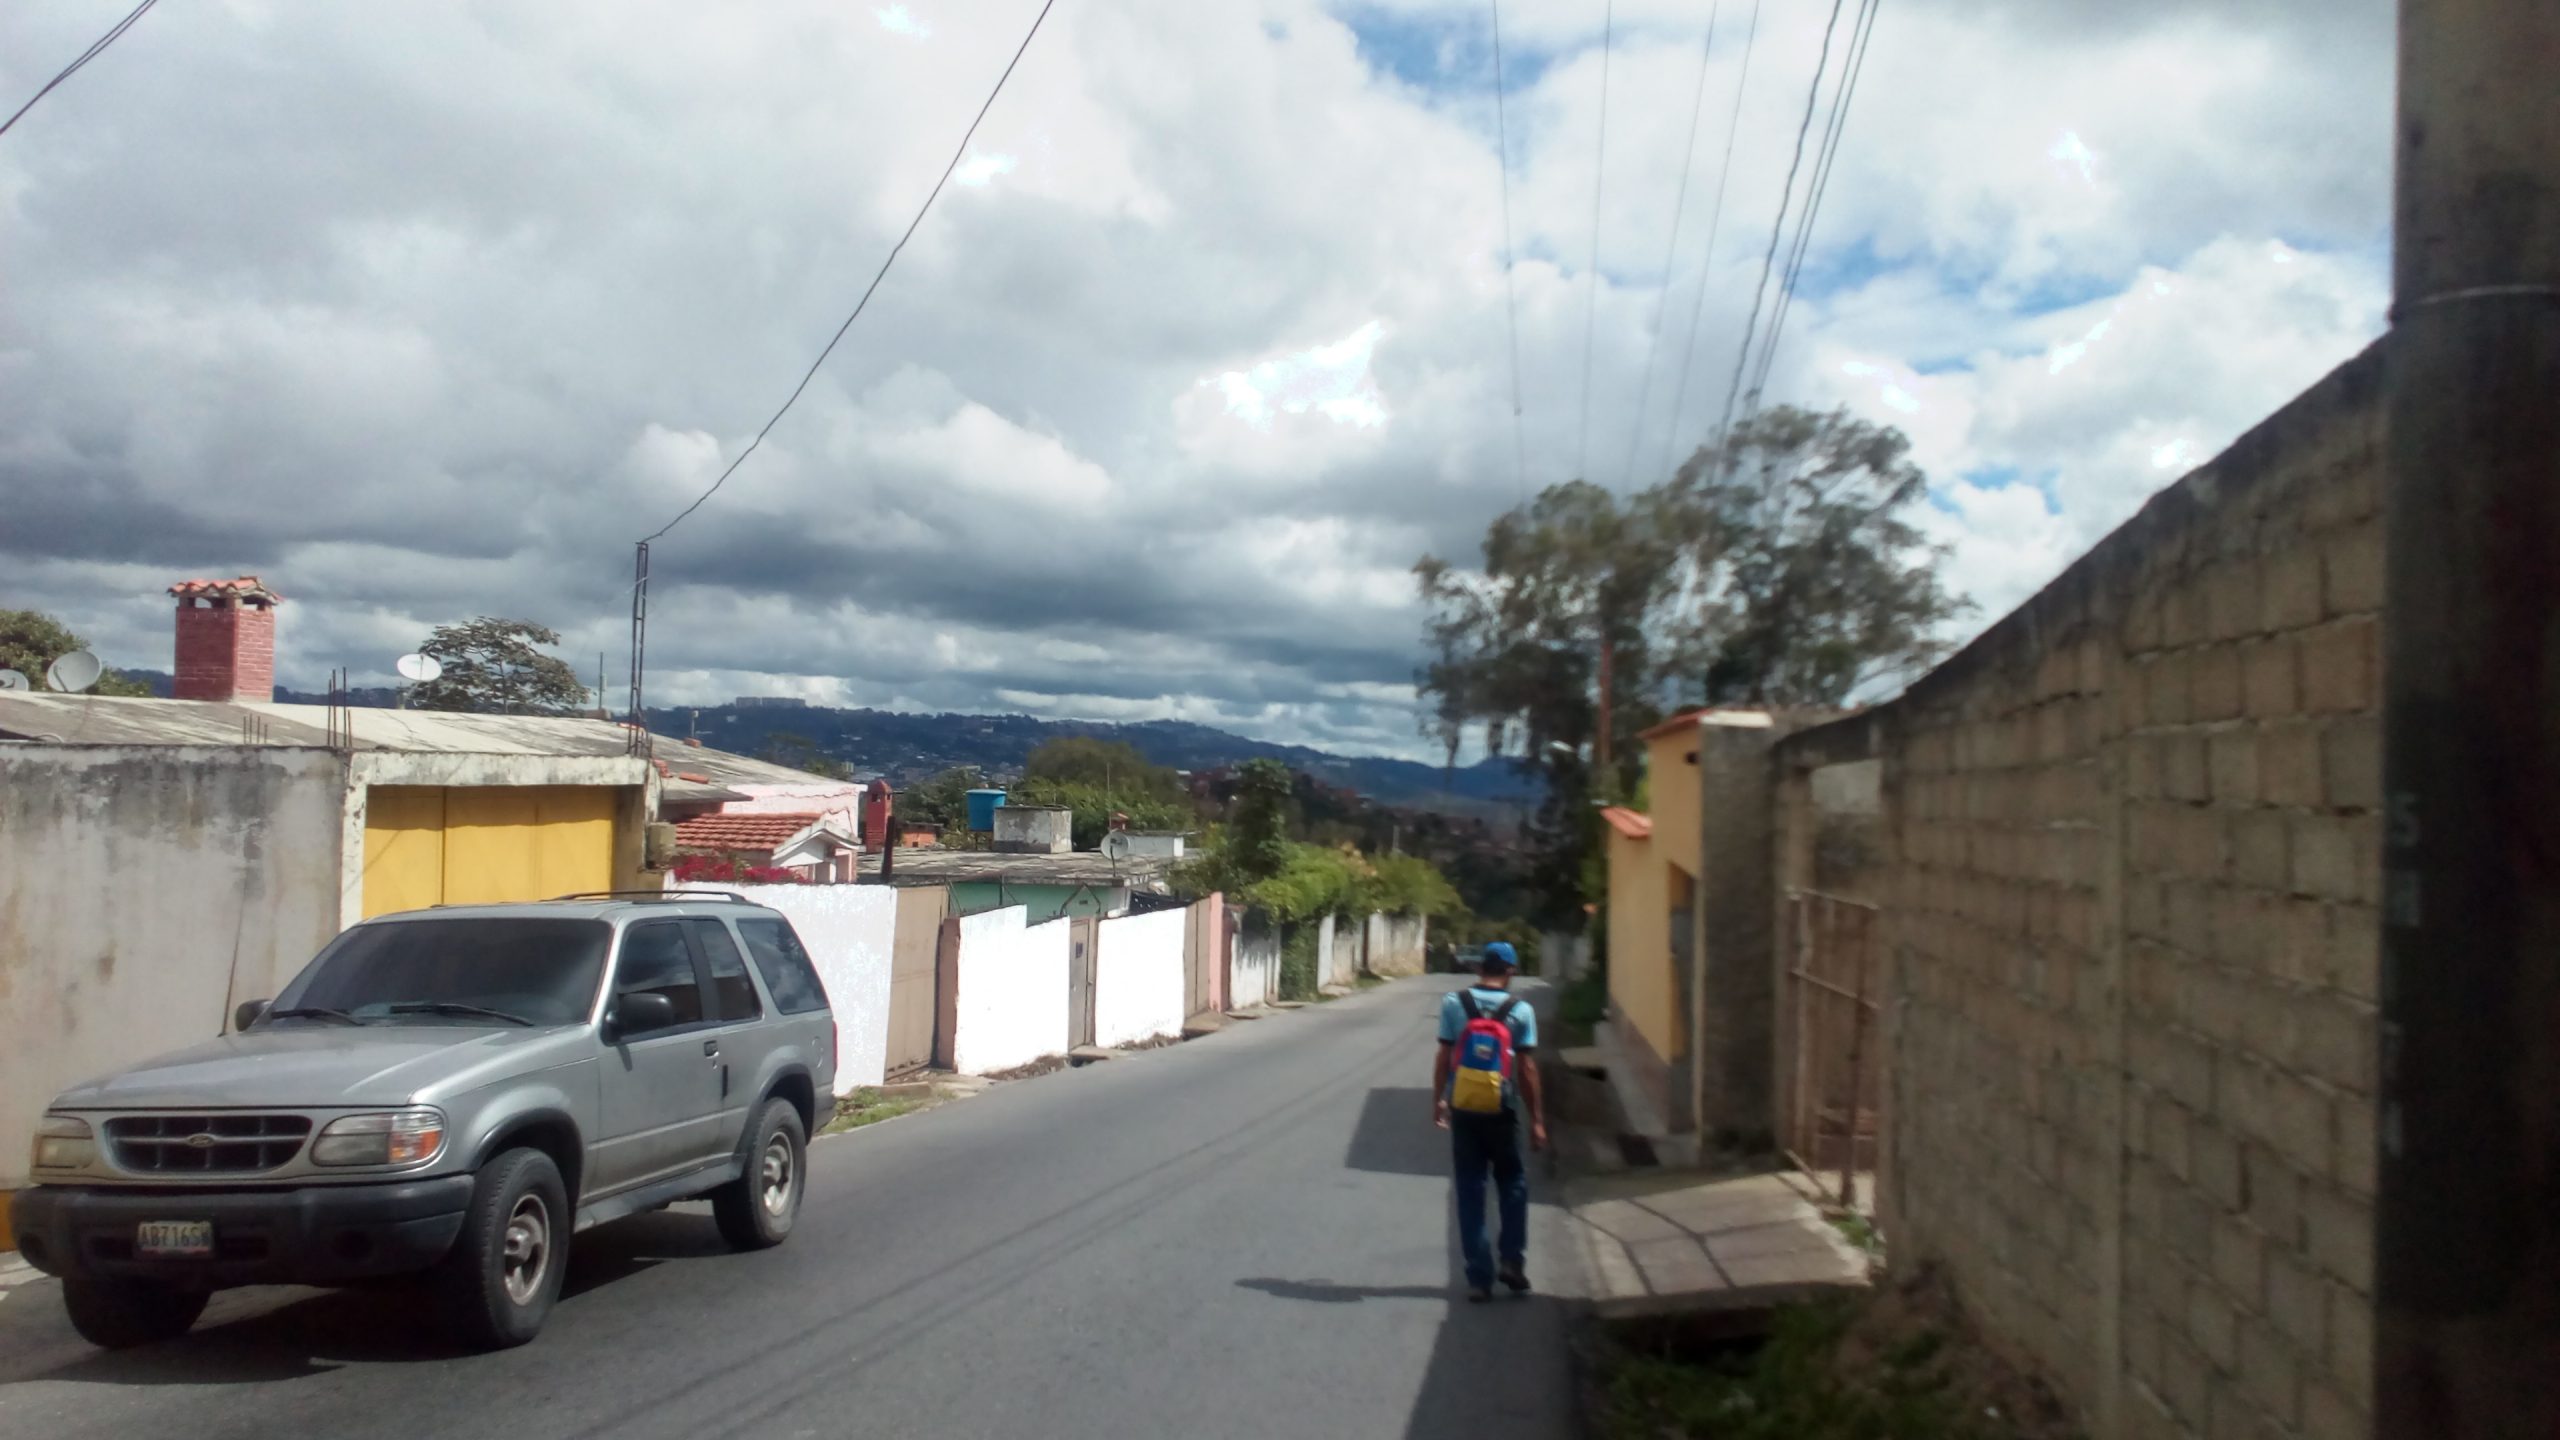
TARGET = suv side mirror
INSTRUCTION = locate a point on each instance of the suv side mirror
(249, 1013)
(638, 1013)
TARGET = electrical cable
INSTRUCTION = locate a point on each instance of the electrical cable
(96, 48)
(1861, 33)
(1671, 251)
(1778, 227)
(1715, 223)
(868, 290)
(1599, 177)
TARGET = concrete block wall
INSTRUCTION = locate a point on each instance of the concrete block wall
(851, 934)
(1138, 985)
(1253, 974)
(2129, 892)
(1008, 991)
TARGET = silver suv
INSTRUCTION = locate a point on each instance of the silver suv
(446, 1093)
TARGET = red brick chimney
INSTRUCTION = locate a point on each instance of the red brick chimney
(226, 639)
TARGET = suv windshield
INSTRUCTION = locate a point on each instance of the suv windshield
(454, 972)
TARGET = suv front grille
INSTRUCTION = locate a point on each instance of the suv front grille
(205, 1144)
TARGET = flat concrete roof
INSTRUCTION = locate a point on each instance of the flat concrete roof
(118, 720)
(1076, 867)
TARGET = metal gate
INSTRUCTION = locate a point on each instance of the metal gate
(1831, 1051)
(1084, 959)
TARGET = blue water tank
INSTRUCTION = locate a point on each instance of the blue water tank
(982, 809)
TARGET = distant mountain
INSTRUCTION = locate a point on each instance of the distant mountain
(910, 747)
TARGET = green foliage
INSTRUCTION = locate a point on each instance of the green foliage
(1298, 978)
(1258, 833)
(1777, 568)
(1801, 1385)
(1318, 880)
(31, 640)
(491, 666)
(795, 751)
(1107, 767)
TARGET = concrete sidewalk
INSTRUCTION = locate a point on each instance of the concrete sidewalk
(1658, 1243)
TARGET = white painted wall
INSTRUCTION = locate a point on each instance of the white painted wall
(1010, 992)
(849, 931)
(1396, 944)
(1139, 988)
(1337, 955)
(143, 890)
(1254, 977)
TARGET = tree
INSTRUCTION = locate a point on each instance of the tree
(31, 640)
(1778, 568)
(1109, 766)
(490, 666)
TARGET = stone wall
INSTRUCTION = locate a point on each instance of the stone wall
(2129, 885)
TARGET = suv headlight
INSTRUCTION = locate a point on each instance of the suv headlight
(393, 1137)
(64, 1142)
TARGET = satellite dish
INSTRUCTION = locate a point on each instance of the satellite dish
(421, 668)
(1115, 845)
(12, 680)
(76, 671)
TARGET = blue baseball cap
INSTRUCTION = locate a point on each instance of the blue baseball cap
(1500, 953)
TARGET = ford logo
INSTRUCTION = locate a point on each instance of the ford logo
(200, 1142)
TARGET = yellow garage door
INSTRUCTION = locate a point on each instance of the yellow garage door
(472, 845)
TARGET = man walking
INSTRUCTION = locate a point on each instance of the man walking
(1483, 1074)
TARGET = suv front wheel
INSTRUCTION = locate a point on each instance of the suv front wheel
(756, 1210)
(120, 1314)
(504, 1272)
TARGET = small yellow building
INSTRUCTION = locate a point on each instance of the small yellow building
(1653, 880)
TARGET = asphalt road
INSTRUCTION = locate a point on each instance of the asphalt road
(1248, 1235)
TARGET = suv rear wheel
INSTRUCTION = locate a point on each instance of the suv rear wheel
(120, 1314)
(757, 1209)
(503, 1273)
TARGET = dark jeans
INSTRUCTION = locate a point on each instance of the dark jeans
(1490, 1142)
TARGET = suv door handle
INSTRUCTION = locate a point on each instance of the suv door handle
(710, 1047)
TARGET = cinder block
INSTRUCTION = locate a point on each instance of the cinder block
(2290, 593)
(2328, 1414)
(2333, 1041)
(2239, 1263)
(2271, 1373)
(2340, 665)
(2353, 560)
(2354, 950)
(2214, 684)
(2232, 759)
(2297, 1303)
(2261, 852)
(2350, 1347)
(2337, 1231)
(2327, 864)
(2214, 1324)
(2270, 687)
(2231, 599)
(2358, 1162)
(2289, 765)
(2218, 1173)
(2351, 762)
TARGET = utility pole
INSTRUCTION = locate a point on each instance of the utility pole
(2467, 1226)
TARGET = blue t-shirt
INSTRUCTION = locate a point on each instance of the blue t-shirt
(1453, 1017)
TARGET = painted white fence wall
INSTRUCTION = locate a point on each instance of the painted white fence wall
(1010, 992)
(1139, 984)
(1337, 954)
(849, 931)
(1254, 977)
(1396, 944)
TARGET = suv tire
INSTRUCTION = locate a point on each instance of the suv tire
(756, 1210)
(121, 1314)
(500, 1279)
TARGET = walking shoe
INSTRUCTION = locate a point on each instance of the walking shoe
(1516, 1279)
(1478, 1294)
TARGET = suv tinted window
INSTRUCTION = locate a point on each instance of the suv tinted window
(655, 959)
(730, 988)
(544, 970)
(784, 966)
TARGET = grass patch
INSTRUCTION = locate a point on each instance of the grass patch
(1896, 1365)
(868, 1106)
(1368, 981)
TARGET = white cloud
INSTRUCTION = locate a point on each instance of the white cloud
(979, 168)
(898, 20)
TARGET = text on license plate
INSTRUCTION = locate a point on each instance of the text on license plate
(173, 1237)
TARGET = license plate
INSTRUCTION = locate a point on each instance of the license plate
(166, 1239)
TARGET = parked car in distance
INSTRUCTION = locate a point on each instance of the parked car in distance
(449, 1094)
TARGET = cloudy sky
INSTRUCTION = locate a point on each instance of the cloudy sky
(426, 310)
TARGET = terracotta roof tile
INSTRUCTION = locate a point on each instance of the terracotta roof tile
(246, 587)
(727, 833)
(1630, 823)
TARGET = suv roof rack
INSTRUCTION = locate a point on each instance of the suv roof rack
(729, 895)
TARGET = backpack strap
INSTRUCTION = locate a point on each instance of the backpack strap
(1467, 1005)
(1502, 1012)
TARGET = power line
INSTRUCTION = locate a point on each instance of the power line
(1715, 223)
(892, 259)
(1599, 176)
(1861, 33)
(96, 48)
(1671, 251)
(1778, 227)
(1510, 293)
